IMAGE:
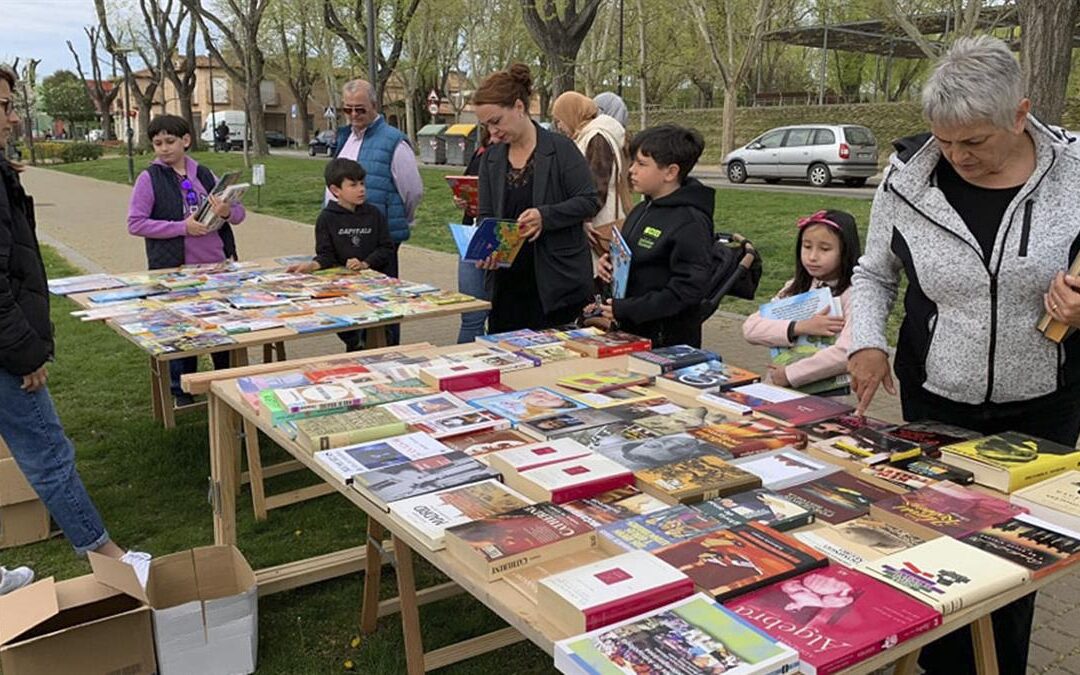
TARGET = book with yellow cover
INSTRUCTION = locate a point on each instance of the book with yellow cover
(695, 480)
(1009, 461)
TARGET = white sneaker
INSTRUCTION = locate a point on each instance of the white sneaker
(11, 580)
(140, 562)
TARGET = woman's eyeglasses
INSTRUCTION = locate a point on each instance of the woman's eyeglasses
(190, 196)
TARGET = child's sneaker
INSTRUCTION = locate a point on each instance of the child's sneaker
(12, 580)
(140, 562)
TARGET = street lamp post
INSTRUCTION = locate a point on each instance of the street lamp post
(213, 109)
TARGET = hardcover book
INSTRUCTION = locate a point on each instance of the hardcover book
(462, 235)
(420, 476)
(837, 497)
(527, 404)
(1009, 461)
(1056, 500)
(526, 580)
(857, 541)
(347, 462)
(535, 455)
(456, 424)
(571, 479)
(744, 437)
(694, 636)
(944, 509)
(656, 452)
(614, 397)
(604, 380)
(694, 480)
(844, 425)
(666, 359)
(610, 590)
(729, 562)
(620, 256)
(780, 469)
(497, 239)
(347, 428)
(485, 442)
(493, 546)
(747, 398)
(1034, 544)
(805, 410)
(428, 516)
(562, 424)
(609, 344)
(707, 376)
(614, 505)
(461, 376)
(421, 407)
(835, 617)
(467, 189)
(658, 529)
(947, 574)
(762, 506)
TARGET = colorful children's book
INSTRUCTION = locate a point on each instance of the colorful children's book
(666, 359)
(620, 256)
(256, 300)
(467, 189)
(800, 307)
(944, 509)
(762, 506)
(947, 574)
(739, 559)
(658, 529)
(83, 284)
(499, 238)
(1030, 542)
(420, 476)
(527, 404)
(707, 376)
(835, 617)
(314, 323)
(694, 480)
(1056, 500)
(695, 636)
(252, 385)
(127, 293)
(854, 542)
(428, 516)
(837, 497)
(1009, 461)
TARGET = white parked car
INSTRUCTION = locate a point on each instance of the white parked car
(819, 153)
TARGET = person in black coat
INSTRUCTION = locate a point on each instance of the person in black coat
(670, 237)
(542, 181)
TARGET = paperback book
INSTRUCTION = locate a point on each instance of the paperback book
(428, 516)
(345, 463)
(456, 424)
(461, 376)
(420, 476)
(930, 435)
(499, 240)
(762, 506)
(614, 506)
(944, 509)
(549, 353)
(563, 424)
(467, 189)
(1009, 461)
(485, 442)
(695, 480)
(836, 498)
(937, 470)
(857, 541)
(658, 529)
(536, 455)
(747, 398)
(571, 479)
(806, 410)
(347, 428)
(251, 385)
(1056, 500)
(667, 359)
(744, 437)
(609, 344)
(527, 404)
(651, 453)
(781, 469)
(422, 407)
(1034, 544)
(614, 397)
(604, 381)
(617, 434)
(707, 376)
(844, 425)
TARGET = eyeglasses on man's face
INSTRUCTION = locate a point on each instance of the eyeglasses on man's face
(354, 110)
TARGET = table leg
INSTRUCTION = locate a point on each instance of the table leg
(238, 358)
(982, 638)
(906, 664)
(369, 612)
(155, 389)
(224, 479)
(167, 401)
(255, 469)
(410, 610)
(376, 338)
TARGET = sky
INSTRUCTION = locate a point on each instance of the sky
(40, 29)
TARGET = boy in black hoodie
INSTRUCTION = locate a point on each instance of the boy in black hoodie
(349, 232)
(670, 237)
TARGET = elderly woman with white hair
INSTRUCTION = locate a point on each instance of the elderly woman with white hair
(982, 215)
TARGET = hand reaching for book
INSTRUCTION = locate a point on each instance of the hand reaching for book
(195, 228)
(1062, 300)
(604, 269)
(869, 368)
(821, 324)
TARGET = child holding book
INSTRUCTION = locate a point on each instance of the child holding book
(162, 211)
(349, 232)
(670, 237)
(826, 251)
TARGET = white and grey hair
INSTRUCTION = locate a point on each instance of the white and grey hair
(977, 80)
(361, 86)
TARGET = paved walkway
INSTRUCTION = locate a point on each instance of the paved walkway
(84, 219)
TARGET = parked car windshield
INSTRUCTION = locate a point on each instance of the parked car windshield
(859, 136)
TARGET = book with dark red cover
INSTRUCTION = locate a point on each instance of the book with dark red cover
(726, 563)
(844, 425)
(930, 435)
(944, 508)
(804, 410)
(835, 617)
(836, 498)
(610, 344)
(750, 436)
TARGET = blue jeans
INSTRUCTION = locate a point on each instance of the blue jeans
(180, 367)
(33, 433)
(471, 282)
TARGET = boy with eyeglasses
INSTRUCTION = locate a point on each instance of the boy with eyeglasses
(162, 211)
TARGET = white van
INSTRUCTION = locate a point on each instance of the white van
(235, 119)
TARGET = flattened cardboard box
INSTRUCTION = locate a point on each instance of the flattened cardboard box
(205, 608)
(23, 518)
(74, 626)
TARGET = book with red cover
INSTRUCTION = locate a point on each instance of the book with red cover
(944, 508)
(467, 189)
(332, 372)
(844, 425)
(804, 410)
(726, 563)
(609, 344)
(750, 436)
(836, 498)
(578, 478)
(461, 376)
(835, 617)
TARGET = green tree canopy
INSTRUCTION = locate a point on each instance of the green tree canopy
(64, 96)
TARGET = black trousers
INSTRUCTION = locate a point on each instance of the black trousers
(393, 331)
(1055, 418)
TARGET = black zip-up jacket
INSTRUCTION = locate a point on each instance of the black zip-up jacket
(26, 338)
(670, 241)
(363, 234)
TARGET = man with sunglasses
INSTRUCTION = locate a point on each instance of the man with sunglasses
(393, 178)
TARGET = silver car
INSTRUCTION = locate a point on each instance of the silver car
(819, 153)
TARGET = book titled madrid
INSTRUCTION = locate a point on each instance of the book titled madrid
(428, 516)
(762, 506)
(694, 480)
(666, 359)
(835, 617)
(728, 562)
(611, 590)
(347, 428)
(1056, 500)
(493, 546)
(652, 531)
(1009, 461)
(420, 476)
(944, 509)
(578, 478)
(947, 574)
(693, 636)
(346, 462)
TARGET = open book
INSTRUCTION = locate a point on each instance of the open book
(501, 238)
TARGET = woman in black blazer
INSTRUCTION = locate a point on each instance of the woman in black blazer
(541, 180)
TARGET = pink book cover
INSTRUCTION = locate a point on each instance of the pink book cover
(835, 616)
(950, 509)
(805, 410)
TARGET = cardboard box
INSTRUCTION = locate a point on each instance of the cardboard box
(74, 626)
(23, 518)
(204, 603)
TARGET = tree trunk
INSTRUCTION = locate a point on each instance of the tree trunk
(144, 105)
(188, 114)
(1046, 36)
(256, 124)
(727, 133)
(105, 120)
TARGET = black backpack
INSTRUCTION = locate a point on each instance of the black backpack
(735, 270)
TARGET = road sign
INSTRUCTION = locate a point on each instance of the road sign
(432, 97)
(293, 111)
(433, 108)
(330, 113)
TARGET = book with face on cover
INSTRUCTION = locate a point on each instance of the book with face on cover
(732, 561)
(854, 542)
(760, 505)
(458, 423)
(947, 574)
(693, 636)
(682, 421)
(420, 476)
(743, 437)
(707, 376)
(658, 529)
(654, 452)
(780, 469)
(835, 617)
(485, 442)
(428, 516)
(610, 590)
(837, 497)
(944, 508)
(1056, 500)
(347, 462)
(527, 404)
(432, 405)
(694, 480)
(1009, 461)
